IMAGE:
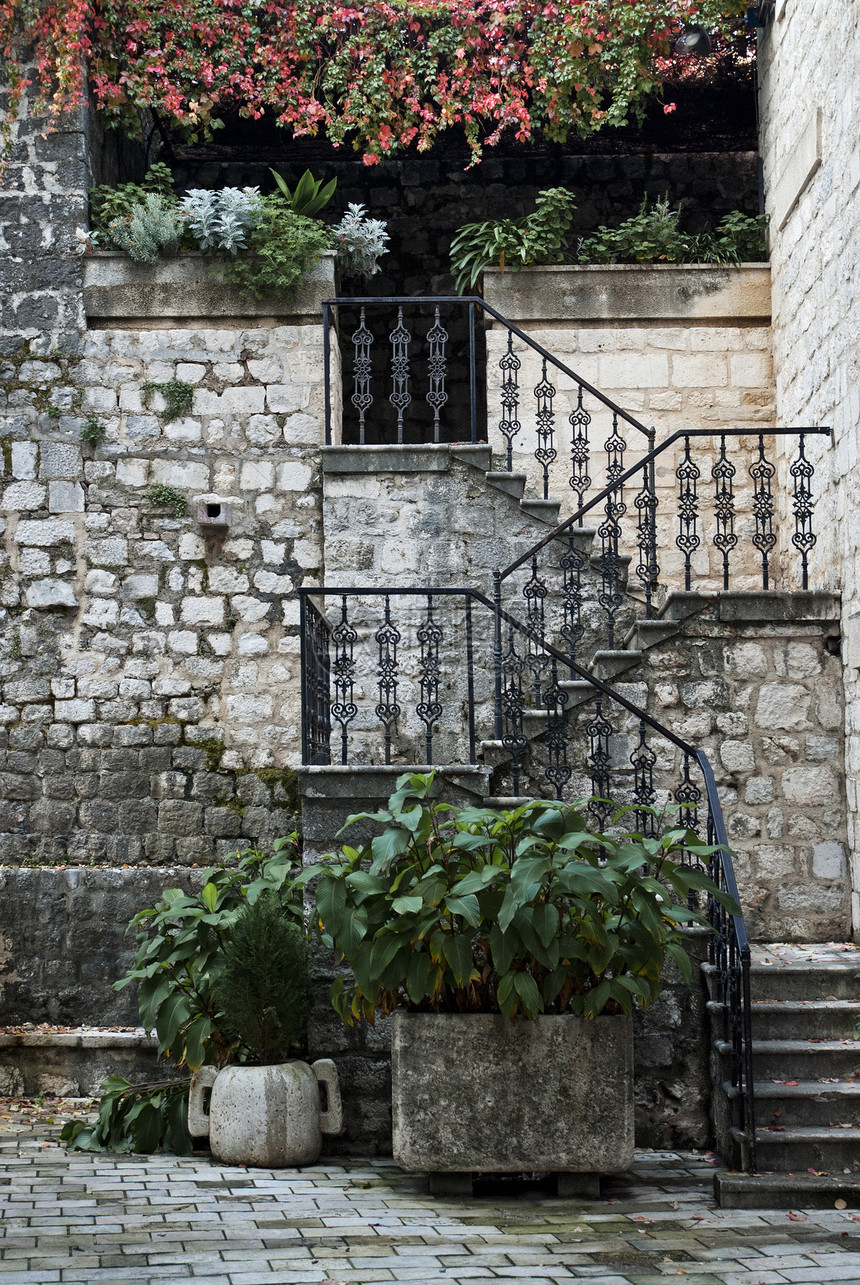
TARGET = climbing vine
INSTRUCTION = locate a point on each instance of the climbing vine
(380, 75)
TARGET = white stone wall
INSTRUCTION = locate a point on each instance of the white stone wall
(810, 146)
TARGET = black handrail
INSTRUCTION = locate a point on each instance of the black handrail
(645, 462)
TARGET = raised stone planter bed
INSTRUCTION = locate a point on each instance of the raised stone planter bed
(690, 292)
(73, 1062)
(190, 287)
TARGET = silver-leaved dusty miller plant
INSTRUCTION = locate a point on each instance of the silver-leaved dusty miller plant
(221, 220)
(360, 242)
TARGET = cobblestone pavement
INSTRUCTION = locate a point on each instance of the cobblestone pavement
(134, 1219)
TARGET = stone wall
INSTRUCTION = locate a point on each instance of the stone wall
(810, 100)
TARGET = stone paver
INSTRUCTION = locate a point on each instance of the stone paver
(86, 1219)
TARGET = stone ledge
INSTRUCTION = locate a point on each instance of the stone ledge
(618, 293)
(430, 458)
(190, 287)
(797, 606)
(81, 1038)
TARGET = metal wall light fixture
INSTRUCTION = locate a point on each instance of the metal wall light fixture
(695, 40)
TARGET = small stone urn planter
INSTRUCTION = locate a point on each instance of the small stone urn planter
(266, 1116)
(477, 1092)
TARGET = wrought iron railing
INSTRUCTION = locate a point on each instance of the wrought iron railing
(389, 675)
(746, 531)
(395, 382)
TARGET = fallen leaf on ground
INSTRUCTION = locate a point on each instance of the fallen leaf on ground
(797, 1218)
(840, 1204)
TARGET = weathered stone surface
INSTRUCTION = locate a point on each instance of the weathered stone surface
(50, 593)
(567, 1086)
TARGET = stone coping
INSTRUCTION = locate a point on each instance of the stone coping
(426, 458)
(621, 293)
(796, 606)
(190, 287)
(81, 1037)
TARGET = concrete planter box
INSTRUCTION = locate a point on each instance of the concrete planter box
(190, 286)
(627, 292)
(477, 1092)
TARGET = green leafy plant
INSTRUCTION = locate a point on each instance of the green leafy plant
(521, 912)
(282, 247)
(263, 988)
(534, 238)
(178, 397)
(654, 236)
(181, 954)
(109, 203)
(169, 498)
(135, 1117)
(93, 431)
(153, 229)
(309, 196)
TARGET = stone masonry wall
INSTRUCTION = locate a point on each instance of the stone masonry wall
(150, 662)
(810, 101)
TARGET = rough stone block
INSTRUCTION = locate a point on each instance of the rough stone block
(782, 706)
(809, 786)
(23, 496)
(65, 497)
(45, 533)
(50, 594)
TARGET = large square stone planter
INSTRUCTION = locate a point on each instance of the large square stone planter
(477, 1092)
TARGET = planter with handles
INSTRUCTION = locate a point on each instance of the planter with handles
(268, 1116)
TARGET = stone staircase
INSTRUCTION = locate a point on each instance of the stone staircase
(806, 1067)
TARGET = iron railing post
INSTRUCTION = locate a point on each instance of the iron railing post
(305, 677)
(497, 654)
(470, 680)
(326, 371)
(749, 1091)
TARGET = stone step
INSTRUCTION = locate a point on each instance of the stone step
(544, 510)
(795, 1150)
(785, 1191)
(511, 483)
(578, 691)
(609, 664)
(648, 633)
(506, 802)
(808, 1103)
(801, 1059)
(624, 560)
(800, 1019)
(681, 604)
(799, 982)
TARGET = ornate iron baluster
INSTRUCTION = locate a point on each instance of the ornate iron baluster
(599, 731)
(610, 596)
(513, 737)
(343, 707)
(643, 759)
(387, 710)
(804, 539)
(429, 709)
(400, 394)
(545, 454)
(687, 540)
(509, 425)
(362, 398)
(534, 592)
(579, 480)
(688, 796)
(558, 770)
(572, 566)
(648, 568)
(725, 539)
(764, 539)
(437, 368)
